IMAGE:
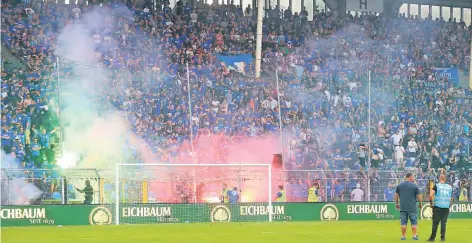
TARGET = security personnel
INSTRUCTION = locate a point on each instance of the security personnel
(441, 199)
(313, 193)
(224, 194)
(463, 197)
(280, 195)
(88, 191)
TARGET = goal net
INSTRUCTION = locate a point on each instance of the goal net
(164, 193)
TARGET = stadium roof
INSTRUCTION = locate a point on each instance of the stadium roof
(447, 3)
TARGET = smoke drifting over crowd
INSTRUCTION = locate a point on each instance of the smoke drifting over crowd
(95, 137)
(97, 134)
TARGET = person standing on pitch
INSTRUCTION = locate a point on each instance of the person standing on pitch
(440, 198)
(463, 197)
(406, 196)
(280, 195)
(313, 193)
(233, 196)
(224, 194)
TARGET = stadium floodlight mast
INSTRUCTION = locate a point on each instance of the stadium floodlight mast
(190, 111)
(470, 65)
(166, 173)
(280, 125)
(369, 137)
(260, 13)
(194, 155)
(470, 86)
(58, 89)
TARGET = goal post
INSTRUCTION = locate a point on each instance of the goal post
(173, 193)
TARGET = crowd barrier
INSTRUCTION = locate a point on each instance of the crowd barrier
(69, 215)
(335, 186)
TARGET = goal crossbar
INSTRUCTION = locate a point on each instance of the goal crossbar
(117, 180)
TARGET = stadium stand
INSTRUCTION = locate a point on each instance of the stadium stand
(420, 119)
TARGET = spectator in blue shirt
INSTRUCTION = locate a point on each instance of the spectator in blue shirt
(7, 139)
(233, 196)
(389, 192)
(36, 153)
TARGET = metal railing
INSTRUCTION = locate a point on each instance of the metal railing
(336, 186)
(42, 186)
(20, 186)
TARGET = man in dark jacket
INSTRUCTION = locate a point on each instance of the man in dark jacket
(88, 191)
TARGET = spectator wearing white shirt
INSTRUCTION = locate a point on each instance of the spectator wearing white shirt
(194, 17)
(399, 158)
(403, 131)
(357, 195)
(396, 138)
(272, 103)
(215, 105)
(412, 148)
(456, 152)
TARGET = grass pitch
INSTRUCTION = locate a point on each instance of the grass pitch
(459, 231)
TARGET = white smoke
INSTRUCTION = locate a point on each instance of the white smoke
(15, 189)
(96, 138)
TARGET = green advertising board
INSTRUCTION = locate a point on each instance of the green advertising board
(251, 212)
(193, 213)
(383, 211)
(174, 213)
(457, 211)
(164, 213)
(358, 211)
(55, 215)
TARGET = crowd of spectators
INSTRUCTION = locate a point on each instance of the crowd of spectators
(419, 119)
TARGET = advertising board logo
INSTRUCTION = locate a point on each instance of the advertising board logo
(461, 208)
(329, 212)
(220, 213)
(426, 212)
(100, 216)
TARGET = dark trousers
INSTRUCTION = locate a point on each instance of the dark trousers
(439, 216)
(88, 200)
